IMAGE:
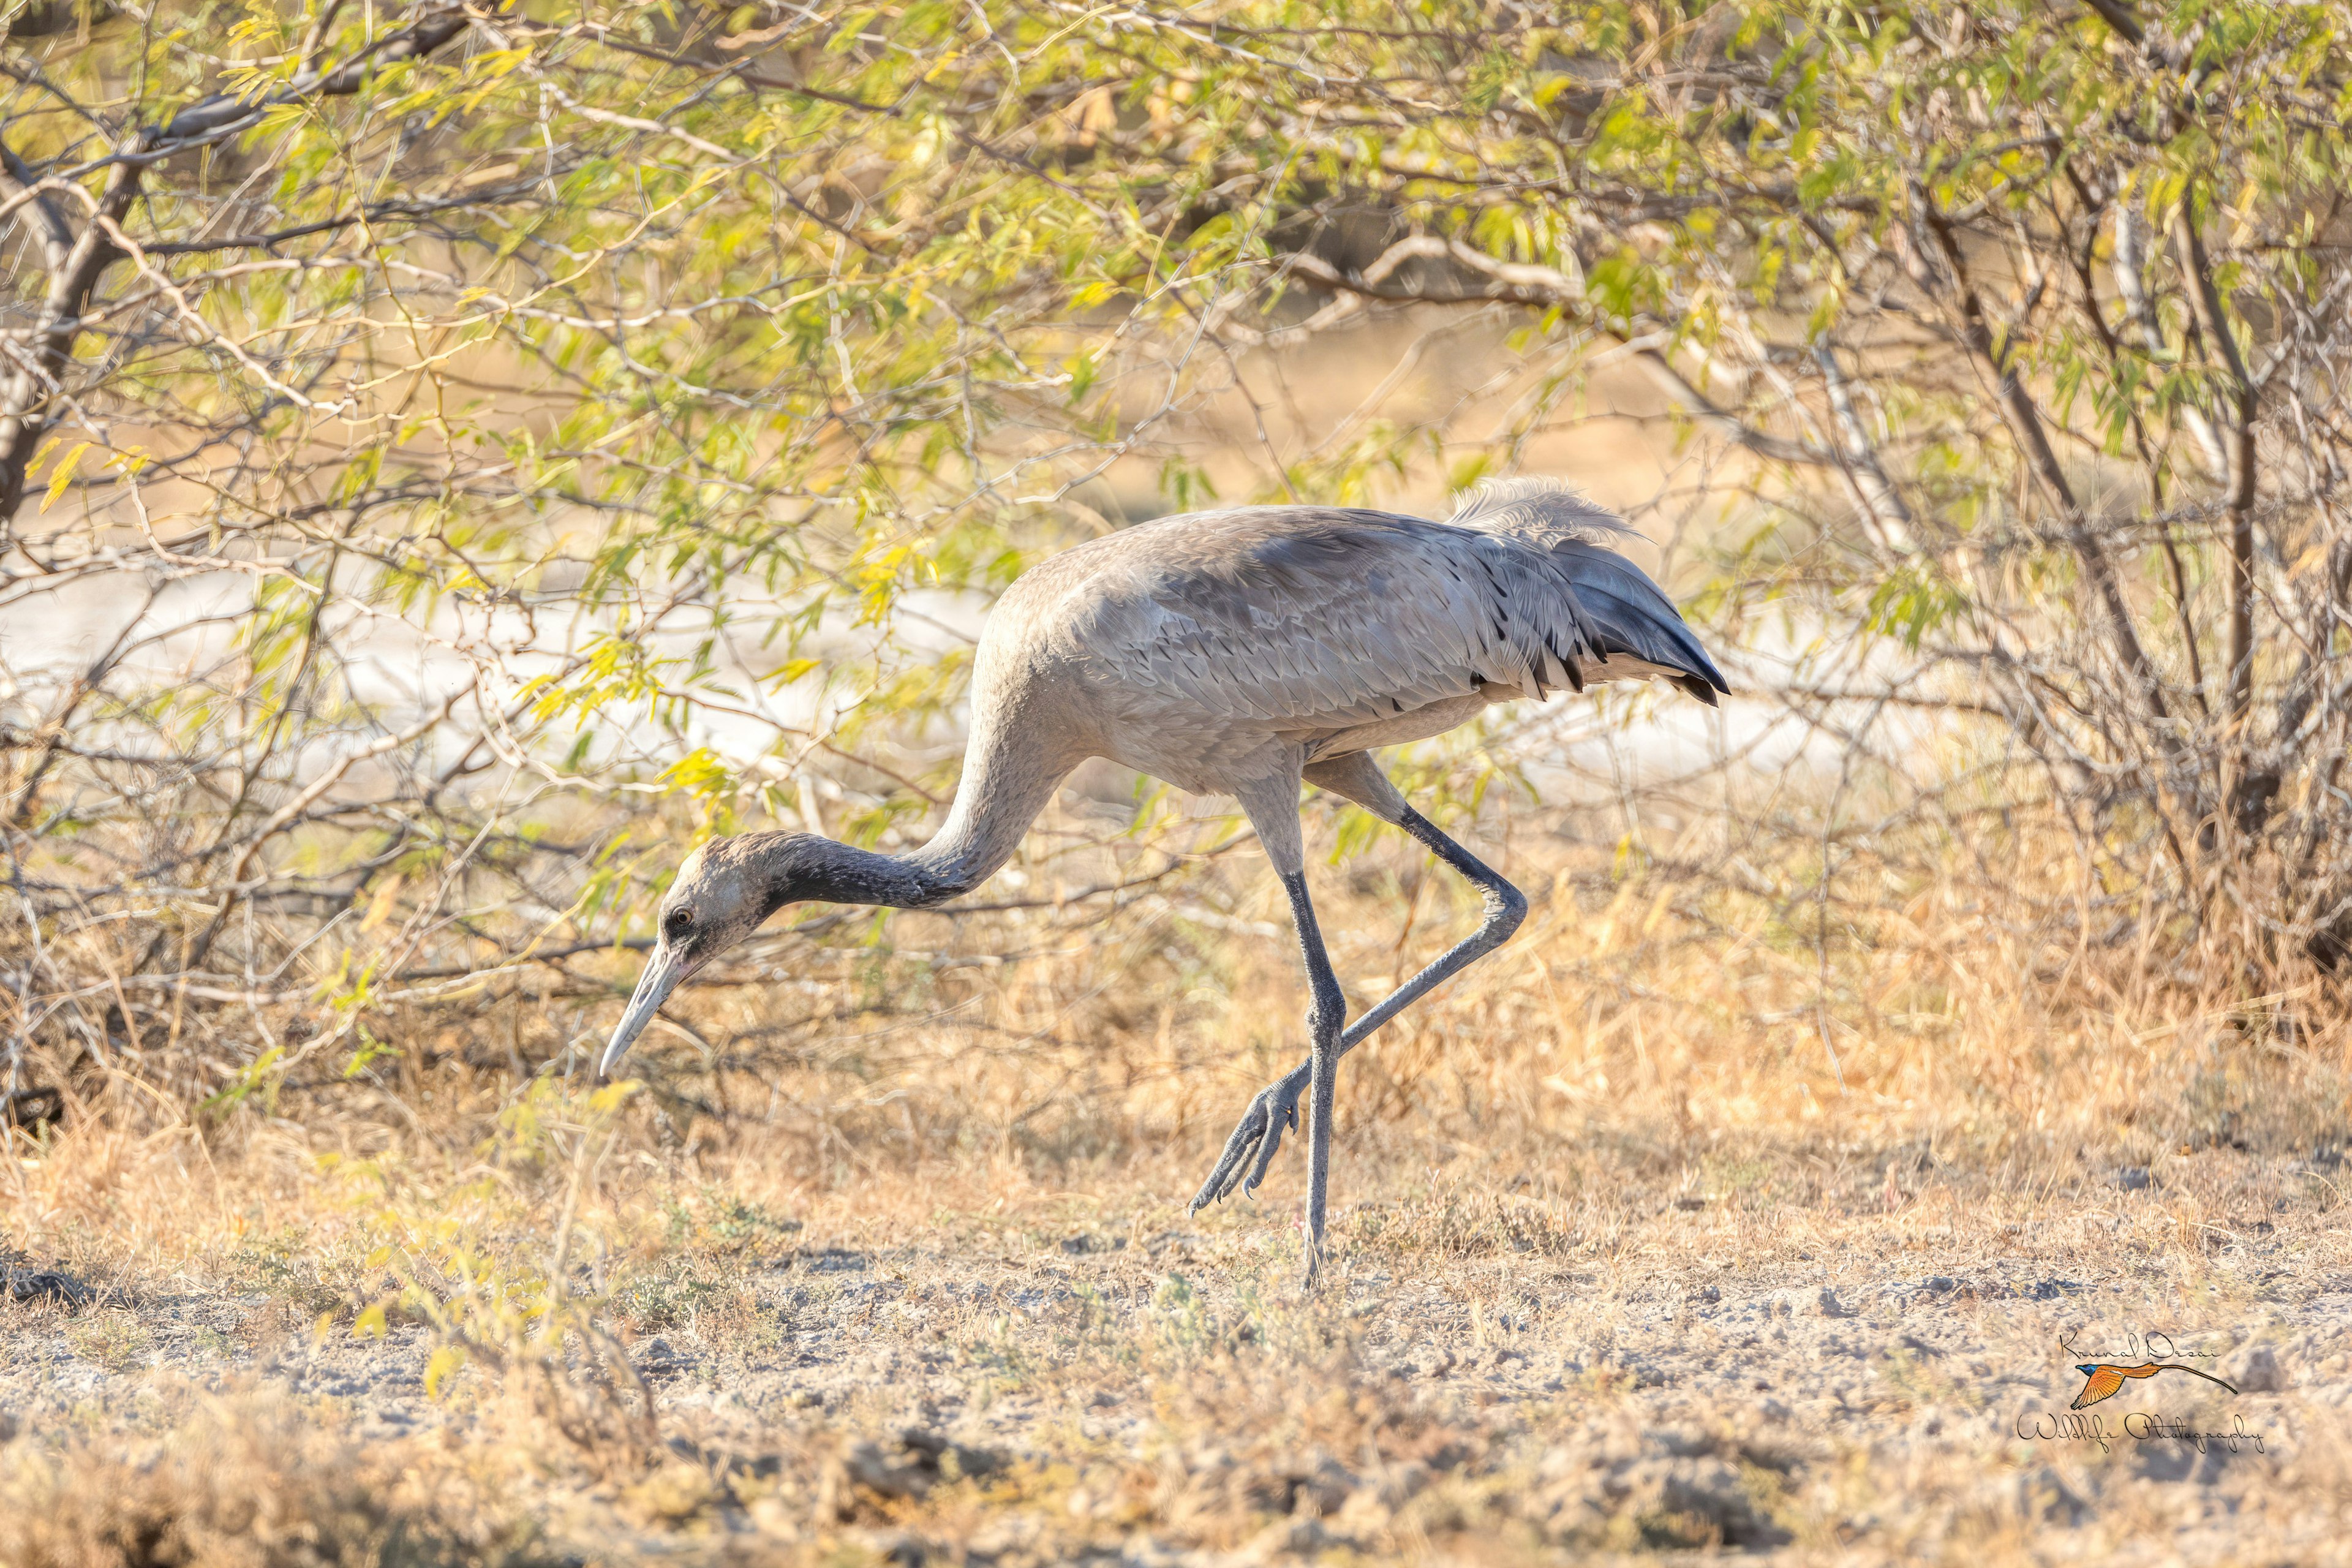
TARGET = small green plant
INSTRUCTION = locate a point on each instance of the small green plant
(115, 1341)
(288, 1266)
(670, 1292)
(722, 1220)
(480, 1263)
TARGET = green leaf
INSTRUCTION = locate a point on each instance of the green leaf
(62, 475)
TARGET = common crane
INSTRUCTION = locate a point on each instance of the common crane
(1239, 652)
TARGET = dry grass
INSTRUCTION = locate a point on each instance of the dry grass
(900, 1255)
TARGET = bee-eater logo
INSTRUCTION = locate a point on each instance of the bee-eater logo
(2102, 1379)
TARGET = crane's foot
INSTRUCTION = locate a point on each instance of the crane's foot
(1250, 1150)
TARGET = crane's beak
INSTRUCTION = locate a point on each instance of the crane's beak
(664, 970)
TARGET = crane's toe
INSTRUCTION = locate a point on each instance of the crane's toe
(1247, 1134)
(1273, 1111)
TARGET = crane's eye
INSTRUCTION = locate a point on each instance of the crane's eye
(681, 921)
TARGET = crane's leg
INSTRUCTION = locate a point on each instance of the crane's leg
(1273, 808)
(1251, 1149)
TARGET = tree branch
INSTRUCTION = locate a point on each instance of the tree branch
(2026, 423)
(26, 392)
(24, 187)
(2120, 18)
(2138, 310)
(2205, 298)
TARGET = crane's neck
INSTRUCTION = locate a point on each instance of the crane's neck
(1001, 793)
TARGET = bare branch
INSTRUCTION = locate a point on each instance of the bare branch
(2213, 320)
(1951, 281)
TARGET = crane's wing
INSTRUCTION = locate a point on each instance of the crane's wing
(1639, 626)
(1313, 617)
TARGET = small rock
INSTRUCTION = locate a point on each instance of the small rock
(2255, 1370)
(954, 1461)
(1940, 1284)
(832, 1261)
(657, 1358)
(1087, 1244)
(44, 1284)
(2133, 1178)
(33, 1108)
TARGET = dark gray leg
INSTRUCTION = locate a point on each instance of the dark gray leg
(1329, 1012)
(1272, 803)
(1251, 1149)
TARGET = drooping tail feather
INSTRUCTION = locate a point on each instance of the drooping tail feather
(1635, 619)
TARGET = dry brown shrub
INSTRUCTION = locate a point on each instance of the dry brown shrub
(245, 1484)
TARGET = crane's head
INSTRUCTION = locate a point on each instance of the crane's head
(723, 891)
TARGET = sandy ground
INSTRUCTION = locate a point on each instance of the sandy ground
(1865, 1387)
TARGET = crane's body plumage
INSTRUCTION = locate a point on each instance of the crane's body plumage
(1191, 646)
(1237, 652)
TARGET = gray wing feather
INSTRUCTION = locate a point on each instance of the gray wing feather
(1315, 616)
(1312, 616)
(1634, 616)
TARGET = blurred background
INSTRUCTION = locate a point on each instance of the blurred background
(454, 458)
